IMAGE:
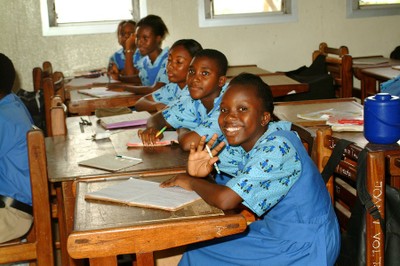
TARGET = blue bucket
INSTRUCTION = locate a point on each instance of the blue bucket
(382, 118)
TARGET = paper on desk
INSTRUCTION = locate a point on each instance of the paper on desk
(143, 193)
(103, 92)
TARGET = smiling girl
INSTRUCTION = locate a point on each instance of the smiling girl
(273, 176)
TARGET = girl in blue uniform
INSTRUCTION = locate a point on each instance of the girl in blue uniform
(147, 64)
(273, 176)
(180, 55)
(126, 29)
(196, 115)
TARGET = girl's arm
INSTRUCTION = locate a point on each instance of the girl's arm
(216, 195)
(147, 103)
(186, 137)
(154, 124)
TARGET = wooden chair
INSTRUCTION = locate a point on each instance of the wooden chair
(340, 66)
(52, 86)
(342, 188)
(38, 249)
(58, 116)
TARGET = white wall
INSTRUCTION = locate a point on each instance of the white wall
(274, 47)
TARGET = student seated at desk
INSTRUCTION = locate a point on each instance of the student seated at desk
(149, 59)
(125, 30)
(15, 184)
(180, 55)
(197, 115)
(273, 176)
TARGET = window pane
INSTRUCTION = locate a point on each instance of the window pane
(72, 11)
(225, 7)
(378, 2)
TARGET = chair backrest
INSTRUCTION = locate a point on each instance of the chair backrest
(342, 188)
(52, 86)
(340, 66)
(306, 136)
(39, 244)
(58, 116)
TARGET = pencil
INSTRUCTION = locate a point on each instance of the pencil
(211, 156)
(161, 131)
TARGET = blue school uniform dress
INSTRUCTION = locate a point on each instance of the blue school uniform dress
(192, 114)
(15, 122)
(118, 58)
(151, 73)
(170, 93)
(281, 184)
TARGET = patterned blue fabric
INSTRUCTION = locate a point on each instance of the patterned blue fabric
(170, 93)
(150, 73)
(192, 114)
(301, 229)
(118, 58)
(15, 122)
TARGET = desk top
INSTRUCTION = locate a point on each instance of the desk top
(102, 230)
(381, 73)
(253, 69)
(64, 153)
(288, 111)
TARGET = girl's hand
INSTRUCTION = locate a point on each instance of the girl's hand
(130, 43)
(181, 180)
(200, 164)
(148, 136)
(113, 71)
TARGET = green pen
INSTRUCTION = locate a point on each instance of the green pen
(161, 131)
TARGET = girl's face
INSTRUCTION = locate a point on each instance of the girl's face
(127, 30)
(178, 64)
(203, 79)
(242, 119)
(146, 41)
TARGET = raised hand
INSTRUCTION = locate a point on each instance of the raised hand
(200, 164)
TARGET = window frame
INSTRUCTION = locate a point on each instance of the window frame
(353, 11)
(80, 28)
(205, 19)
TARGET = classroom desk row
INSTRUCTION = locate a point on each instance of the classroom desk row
(63, 155)
(81, 104)
(372, 75)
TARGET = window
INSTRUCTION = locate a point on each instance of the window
(213, 13)
(68, 17)
(370, 8)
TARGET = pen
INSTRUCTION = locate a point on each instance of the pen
(215, 164)
(161, 131)
(127, 157)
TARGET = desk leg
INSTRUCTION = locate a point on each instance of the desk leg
(109, 261)
(66, 220)
(145, 259)
(368, 87)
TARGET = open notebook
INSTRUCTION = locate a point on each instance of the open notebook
(143, 193)
(103, 92)
(130, 138)
(125, 120)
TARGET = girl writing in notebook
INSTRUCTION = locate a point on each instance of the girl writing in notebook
(196, 115)
(273, 176)
(149, 59)
(180, 55)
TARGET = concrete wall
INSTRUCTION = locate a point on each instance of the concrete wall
(274, 47)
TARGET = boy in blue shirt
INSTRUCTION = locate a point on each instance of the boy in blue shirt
(197, 115)
(15, 189)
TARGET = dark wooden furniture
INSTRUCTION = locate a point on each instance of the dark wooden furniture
(339, 65)
(38, 247)
(64, 153)
(103, 231)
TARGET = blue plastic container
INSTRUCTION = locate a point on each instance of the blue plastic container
(382, 118)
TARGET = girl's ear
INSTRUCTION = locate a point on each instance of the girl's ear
(265, 119)
(221, 81)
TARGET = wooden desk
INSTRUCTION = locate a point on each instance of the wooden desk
(81, 104)
(103, 231)
(64, 153)
(253, 69)
(371, 75)
(282, 85)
